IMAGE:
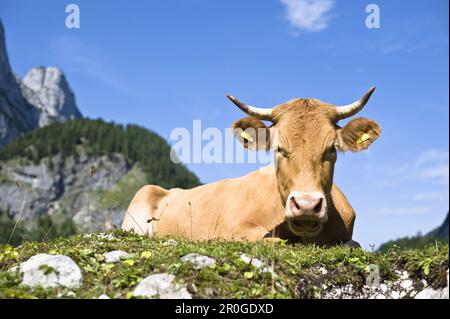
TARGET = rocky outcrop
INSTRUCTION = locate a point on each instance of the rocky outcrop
(74, 188)
(47, 90)
(16, 114)
(41, 98)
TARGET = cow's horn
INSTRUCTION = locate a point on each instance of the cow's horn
(257, 112)
(351, 109)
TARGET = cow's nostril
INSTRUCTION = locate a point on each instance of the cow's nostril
(295, 202)
(318, 207)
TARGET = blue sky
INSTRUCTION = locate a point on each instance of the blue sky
(162, 64)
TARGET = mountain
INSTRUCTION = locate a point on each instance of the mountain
(441, 231)
(87, 174)
(60, 173)
(439, 234)
(42, 97)
(48, 90)
(16, 114)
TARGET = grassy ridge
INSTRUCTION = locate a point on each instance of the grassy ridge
(230, 277)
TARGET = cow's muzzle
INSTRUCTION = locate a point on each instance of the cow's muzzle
(306, 212)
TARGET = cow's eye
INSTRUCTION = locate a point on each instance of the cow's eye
(332, 151)
(282, 151)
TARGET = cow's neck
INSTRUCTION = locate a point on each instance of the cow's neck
(272, 210)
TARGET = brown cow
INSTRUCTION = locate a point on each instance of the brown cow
(295, 199)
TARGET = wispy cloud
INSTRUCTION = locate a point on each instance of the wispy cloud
(430, 196)
(79, 56)
(430, 167)
(405, 210)
(428, 172)
(396, 43)
(308, 15)
(432, 156)
(433, 165)
(443, 108)
(392, 47)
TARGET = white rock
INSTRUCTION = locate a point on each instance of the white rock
(66, 294)
(103, 236)
(161, 286)
(430, 293)
(395, 295)
(66, 272)
(380, 296)
(171, 242)
(383, 287)
(199, 261)
(323, 271)
(255, 262)
(103, 297)
(406, 284)
(115, 256)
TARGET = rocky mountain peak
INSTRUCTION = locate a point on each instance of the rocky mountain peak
(16, 114)
(41, 98)
(48, 90)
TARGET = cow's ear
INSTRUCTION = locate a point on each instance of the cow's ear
(252, 133)
(358, 134)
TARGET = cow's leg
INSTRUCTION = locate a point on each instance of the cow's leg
(250, 232)
(140, 213)
(346, 214)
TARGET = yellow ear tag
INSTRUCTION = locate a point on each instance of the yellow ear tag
(363, 138)
(247, 136)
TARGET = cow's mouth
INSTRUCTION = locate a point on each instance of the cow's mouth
(305, 227)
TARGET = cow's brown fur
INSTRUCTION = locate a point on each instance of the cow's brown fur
(248, 207)
(228, 209)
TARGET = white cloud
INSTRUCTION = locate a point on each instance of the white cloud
(79, 56)
(388, 48)
(309, 15)
(440, 172)
(433, 165)
(405, 210)
(430, 196)
(432, 156)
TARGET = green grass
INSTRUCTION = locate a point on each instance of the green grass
(229, 278)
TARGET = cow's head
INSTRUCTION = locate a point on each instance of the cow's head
(306, 137)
